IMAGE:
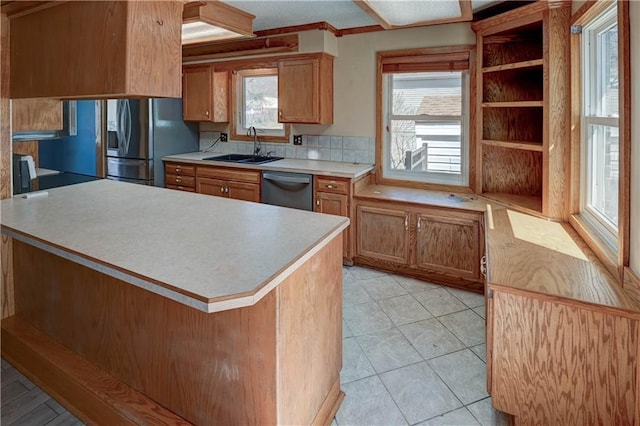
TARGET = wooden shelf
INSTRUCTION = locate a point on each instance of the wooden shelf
(516, 104)
(515, 65)
(523, 145)
(532, 203)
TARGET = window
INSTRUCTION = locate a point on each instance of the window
(424, 129)
(600, 145)
(255, 95)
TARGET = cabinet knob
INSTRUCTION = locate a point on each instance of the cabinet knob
(419, 225)
(406, 221)
(178, 169)
(178, 180)
(318, 201)
(280, 113)
(222, 189)
(206, 113)
(330, 186)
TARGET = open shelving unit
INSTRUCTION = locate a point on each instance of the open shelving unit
(518, 52)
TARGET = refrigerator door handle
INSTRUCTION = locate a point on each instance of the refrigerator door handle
(119, 134)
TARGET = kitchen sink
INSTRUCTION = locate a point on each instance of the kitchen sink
(244, 158)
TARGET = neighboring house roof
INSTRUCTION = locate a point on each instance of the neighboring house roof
(441, 105)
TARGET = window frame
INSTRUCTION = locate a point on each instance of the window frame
(238, 131)
(592, 116)
(408, 61)
(435, 178)
(616, 258)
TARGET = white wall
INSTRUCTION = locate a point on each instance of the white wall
(634, 16)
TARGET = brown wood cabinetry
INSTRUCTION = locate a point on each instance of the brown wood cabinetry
(522, 90)
(448, 244)
(180, 176)
(442, 245)
(230, 183)
(305, 90)
(36, 115)
(333, 197)
(563, 339)
(205, 94)
(87, 49)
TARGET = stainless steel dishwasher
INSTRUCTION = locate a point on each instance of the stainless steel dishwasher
(287, 189)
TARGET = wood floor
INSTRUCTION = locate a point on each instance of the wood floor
(24, 404)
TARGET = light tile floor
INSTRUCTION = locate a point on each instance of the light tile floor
(413, 353)
(24, 404)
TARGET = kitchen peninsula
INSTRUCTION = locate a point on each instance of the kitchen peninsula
(214, 310)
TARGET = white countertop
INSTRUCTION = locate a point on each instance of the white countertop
(316, 167)
(210, 253)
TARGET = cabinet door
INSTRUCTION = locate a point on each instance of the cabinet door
(383, 234)
(205, 94)
(36, 114)
(449, 245)
(298, 91)
(197, 86)
(338, 205)
(211, 187)
(243, 191)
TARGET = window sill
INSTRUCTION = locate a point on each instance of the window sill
(601, 249)
(261, 138)
(425, 185)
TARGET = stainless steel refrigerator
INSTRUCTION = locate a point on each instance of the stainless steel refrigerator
(139, 132)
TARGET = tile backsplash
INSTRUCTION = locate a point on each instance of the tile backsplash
(347, 149)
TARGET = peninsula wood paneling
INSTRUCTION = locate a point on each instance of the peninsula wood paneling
(554, 363)
(111, 49)
(201, 366)
(229, 367)
(91, 394)
(310, 338)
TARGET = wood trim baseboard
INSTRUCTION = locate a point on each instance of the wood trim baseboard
(89, 393)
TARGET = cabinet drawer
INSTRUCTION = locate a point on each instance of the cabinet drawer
(180, 169)
(172, 179)
(337, 186)
(252, 176)
(181, 188)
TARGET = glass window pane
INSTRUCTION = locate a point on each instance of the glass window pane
(426, 146)
(603, 172)
(260, 94)
(432, 93)
(608, 72)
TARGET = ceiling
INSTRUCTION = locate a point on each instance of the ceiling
(343, 14)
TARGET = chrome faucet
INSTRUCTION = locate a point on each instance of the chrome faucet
(256, 143)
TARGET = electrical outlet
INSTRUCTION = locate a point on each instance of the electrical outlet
(223, 137)
(297, 139)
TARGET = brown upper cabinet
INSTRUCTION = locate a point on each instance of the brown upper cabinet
(205, 94)
(305, 90)
(523, 107)
(36, 115)
(96, 49)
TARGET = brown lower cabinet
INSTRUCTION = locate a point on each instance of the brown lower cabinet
(239, 184)
(333, 196)
(441, 245)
